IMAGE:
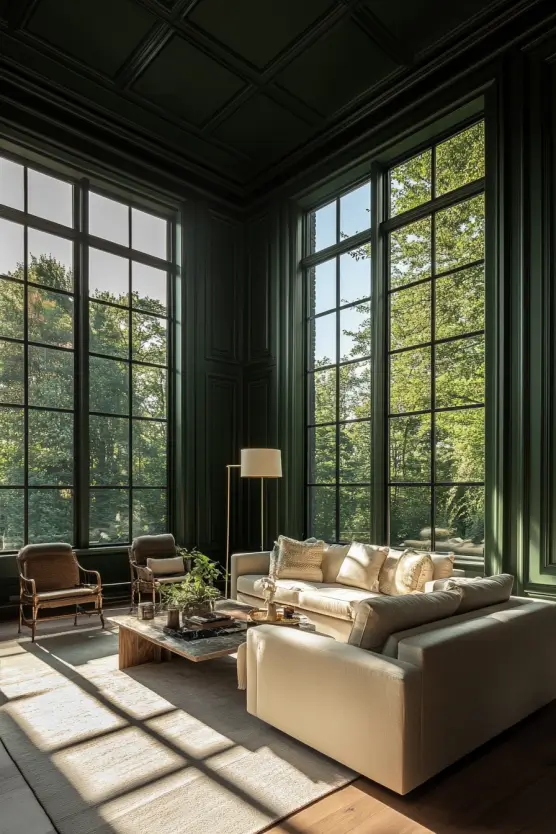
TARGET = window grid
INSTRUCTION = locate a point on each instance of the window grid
(17, 493)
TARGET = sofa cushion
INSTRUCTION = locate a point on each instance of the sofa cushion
(480, 592)
(376, 619)
(287, 590)
(333, 600)
(300, 560)
(443, 565)
(361, 566)
(404, 573)
(334, 555)
(166, 566)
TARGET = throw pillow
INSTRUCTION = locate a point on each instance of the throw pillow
(361, 566)
(300, 560)
(480, 592)
(378, 618)
(334, 555)
(388, 572)
(166, 567)
(413, 570)
(443, 564)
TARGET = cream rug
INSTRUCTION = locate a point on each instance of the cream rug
(158, 749)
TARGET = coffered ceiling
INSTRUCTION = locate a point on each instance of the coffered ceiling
(234, 88)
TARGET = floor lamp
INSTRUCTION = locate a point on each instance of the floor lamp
(255, 463)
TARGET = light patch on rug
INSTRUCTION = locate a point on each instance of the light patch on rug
(161, 748)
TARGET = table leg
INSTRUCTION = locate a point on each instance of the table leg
(134, 649)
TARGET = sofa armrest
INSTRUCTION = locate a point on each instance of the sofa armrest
(355, 706)
(248, 563)
(440, 584)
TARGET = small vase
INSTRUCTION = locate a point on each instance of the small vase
(173, 618)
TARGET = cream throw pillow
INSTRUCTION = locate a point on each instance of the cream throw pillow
(300, 560)
(361, 566)
(166, 567)
(443, 564)
(405, 573)
(481, 592)
(378, 618)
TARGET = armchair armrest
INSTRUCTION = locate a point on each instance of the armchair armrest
(93, 573)
(246, 563)
(27, 586)
(355, 706)
(143, 572)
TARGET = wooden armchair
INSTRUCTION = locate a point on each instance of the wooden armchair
(147, 577)
(51, 577)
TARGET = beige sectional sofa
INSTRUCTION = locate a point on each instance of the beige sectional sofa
(329, 605)
(434, 693)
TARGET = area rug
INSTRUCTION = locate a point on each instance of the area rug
(158, 749)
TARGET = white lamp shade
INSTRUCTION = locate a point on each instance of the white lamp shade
(261, 463)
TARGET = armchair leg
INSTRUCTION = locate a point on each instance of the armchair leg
(34, 623)
(132, 598)
(101, 613)
(20, 618)
(75, 618)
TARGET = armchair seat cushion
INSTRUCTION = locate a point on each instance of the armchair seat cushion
(167, 580)
(67, 593)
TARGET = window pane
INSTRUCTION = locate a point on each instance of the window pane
(460, 234)
(460, 445)
(410, 183)
(149, 287)
(460, 302)
(11, 309)
(50, 448)
(355, 390)
(149, 233)
(355, 275)
(149, 453)
(322, 513)
(50, 319)
(323, 287)
(50, 260)
(461, 159)
(50, 197)
(410, 253)
(323, 346)
(410, 381)
(355, 332)
(322, 446)
(460, 372)
(461, 511)
(149, 339)
(322, 227)
(108, 277)
(410, 515)
(50, 378)
(149, 392)
(355, 211)
(108, 516)
(109, 329)
(150, 514)
(11, 446)
(355, 453)
(108, 386)
(11, 249)
(12, 383)
(108, 219)
(11, 519)
(50, 515)
(12, 184)
(410, 316)
(108, 451)
(355, 514)
(322, 396)
(410, 448)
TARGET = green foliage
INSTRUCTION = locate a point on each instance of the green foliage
(202, 567)
(191, 592)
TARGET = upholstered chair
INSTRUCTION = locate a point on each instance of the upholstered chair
(51, 577)
(154, 562)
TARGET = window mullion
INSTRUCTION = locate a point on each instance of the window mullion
(81, 347)
(379, 360)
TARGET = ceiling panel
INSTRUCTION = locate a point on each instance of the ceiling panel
(101, 33)
(257, 30)
(188, 83)
(421, 23)
(336, 68)
(263, 129)
(3, 8)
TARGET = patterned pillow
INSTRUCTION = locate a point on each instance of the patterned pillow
(405, 573)
(300, 560)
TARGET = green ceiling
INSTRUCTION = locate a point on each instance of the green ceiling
(234, 86)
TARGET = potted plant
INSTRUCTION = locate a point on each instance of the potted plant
(197, 593)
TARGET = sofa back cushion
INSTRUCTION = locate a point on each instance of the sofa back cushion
(300, 560)
(405, 573)
(443, 564)
(361, 566)
(376, 619)
(334, 555)
(480, 592)
(152, 547)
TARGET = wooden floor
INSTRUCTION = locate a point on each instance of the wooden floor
(506, 787)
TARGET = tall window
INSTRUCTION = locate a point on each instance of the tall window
(83, 383)
(432, 358)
